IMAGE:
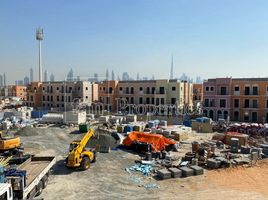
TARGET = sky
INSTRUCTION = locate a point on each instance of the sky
(207, 38)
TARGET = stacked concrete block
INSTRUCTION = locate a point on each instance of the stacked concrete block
(197, 170)
(245, 150)
(164, 174)
(213, 164)
(186, 171)
(175, 172)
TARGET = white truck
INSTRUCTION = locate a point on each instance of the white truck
(28, 180)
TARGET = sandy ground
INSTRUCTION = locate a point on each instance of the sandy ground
(108, 179)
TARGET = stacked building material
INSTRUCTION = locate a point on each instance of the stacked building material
(163, 174)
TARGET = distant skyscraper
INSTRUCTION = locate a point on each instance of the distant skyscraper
(113, 76)
(152, 77)
(125, 76)
(4, 79)
(26, 80)
(171, 69)
(1, 80)
(138, 76)
(46, 76)
(78, 78)
(31, 75)
(70, 75)
(52, 77)
(107, 74)
(198, 79)
(96, 77)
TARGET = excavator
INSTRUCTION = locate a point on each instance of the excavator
(9, 144)
(78, 155)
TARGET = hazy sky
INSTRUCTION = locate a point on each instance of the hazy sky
(210, 38)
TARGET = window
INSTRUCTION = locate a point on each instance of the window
(173, 100)
(152, 100)
(108, 100)
(120, 88)
(140, 100)
(266, 103)
(62, 98)
(207, 89)
(141, 88)
(110, 90)
(153, 90)
(246, 117)
(254, 116)
(236, 103)
(44, 98)
(127, 90)
(211, 89)
(162, 101)
(223, 91)
(222, 103)
(58, 88)
(86, 88)
(131, 90)
(69, 99)
(78, 88)
(148, 90)
(86, 97)
(255, 103)
(161, 90)
(246, 104)
(247, 90)
(70, 89)
(44, 89)
(206, 102)
(236, 116)
(47, 98)
(147, 100)
(255, 90)
(157, 101)
(51, 98)
(173, 88)
(132, 100)
(237, 88)
(44, 105)
(266, 88)
(58, 98)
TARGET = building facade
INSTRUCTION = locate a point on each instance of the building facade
(197, 95)
(156, 92)
(34, 95)
(107, 95)
(19, 91)
(239, 99)
(60, 95)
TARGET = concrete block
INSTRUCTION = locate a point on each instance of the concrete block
(105, 149)
(213, 164)
(197, 170)
(187, 171)
(175, 172)
(245, 150)
(163, 174)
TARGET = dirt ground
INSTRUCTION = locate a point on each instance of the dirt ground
(108, 179)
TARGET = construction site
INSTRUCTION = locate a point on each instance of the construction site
(116, 156)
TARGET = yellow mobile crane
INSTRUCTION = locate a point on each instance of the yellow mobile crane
(78, 155)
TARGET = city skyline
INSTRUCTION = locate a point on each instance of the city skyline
(207, 39)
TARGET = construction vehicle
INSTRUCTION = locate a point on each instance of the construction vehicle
(78, 155)
(9, 145)
(27, 180)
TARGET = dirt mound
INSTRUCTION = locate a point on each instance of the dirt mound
(28, 131)
(102, 139)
